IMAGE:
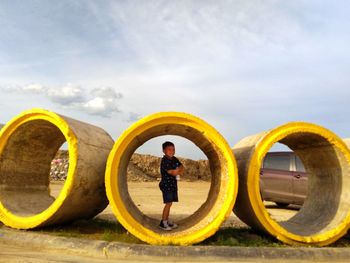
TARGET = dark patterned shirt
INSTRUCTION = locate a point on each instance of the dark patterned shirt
(168, 182)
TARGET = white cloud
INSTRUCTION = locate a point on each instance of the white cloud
(37, 88)
(106, 92)
(244, 66)
(30, 88)
(66, 95)
(103, 106)
(175, 33)
(102, 101)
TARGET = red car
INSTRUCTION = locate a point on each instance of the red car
(283, 179)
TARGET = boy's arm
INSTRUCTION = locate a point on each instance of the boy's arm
(181, 169)
(174, 172)
(165, 167)
(178, 171)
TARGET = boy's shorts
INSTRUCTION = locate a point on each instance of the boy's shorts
(170, 196)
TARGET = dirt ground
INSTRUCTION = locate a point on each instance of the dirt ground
(148, 198)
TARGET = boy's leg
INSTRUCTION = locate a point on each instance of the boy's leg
(174, 199)
(166, 211)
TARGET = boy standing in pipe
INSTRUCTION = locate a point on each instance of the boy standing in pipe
(171, 169)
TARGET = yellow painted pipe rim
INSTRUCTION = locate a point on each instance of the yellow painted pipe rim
(271, 226)
(228, 189)
(27, 222)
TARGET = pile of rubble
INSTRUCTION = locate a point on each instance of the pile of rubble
(142, 168)
(59, 166)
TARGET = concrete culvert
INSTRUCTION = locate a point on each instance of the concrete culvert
(208, 218)
(28, 143)
(324, 217)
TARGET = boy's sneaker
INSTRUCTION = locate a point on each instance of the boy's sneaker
(172, 225)
(164, 226)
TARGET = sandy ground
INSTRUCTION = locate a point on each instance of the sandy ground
(148, 198)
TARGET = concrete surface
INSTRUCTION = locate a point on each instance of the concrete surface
(205, 221)
(28, 144)
(45, 247)
(324, 216)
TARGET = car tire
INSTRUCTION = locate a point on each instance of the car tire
(281, 204)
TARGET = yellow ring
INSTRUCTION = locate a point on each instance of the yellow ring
(270, 225)
(27, 222)
(174, 123)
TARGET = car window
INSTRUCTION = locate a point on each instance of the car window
(300, 166)
(277, 162)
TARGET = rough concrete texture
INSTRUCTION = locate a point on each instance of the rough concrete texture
(207, 219)
(119, 251)
(28, 143)
(324, 216)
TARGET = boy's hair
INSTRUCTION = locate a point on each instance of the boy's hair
(166, 144)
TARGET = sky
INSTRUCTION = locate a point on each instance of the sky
(242, 66)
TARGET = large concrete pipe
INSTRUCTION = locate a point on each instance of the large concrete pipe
(208, 218)
(324, 217)
(28, 143)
